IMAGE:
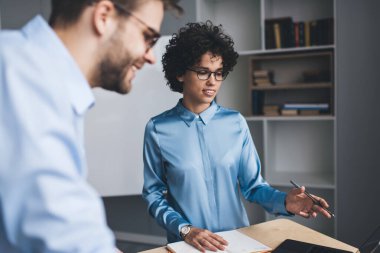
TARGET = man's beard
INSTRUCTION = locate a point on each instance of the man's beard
(112, 74)
(113, 67)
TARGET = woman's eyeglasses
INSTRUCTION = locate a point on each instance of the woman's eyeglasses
(204, 74)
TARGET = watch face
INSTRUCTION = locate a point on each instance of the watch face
(185, 230)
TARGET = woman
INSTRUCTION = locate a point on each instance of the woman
(198, 156)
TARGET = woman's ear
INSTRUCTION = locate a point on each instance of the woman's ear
(180, 78)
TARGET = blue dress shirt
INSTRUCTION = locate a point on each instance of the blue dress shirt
(194, 166)
(46, 205)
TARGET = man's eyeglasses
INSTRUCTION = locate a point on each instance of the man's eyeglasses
(204, 74)
(150, 38)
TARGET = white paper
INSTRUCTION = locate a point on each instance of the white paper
(237, 243)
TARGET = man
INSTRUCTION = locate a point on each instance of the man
(45, 78)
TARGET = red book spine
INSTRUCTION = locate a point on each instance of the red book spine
(296, 35)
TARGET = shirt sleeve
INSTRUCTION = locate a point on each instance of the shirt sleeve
(46, 203)
(253, 187)
(155, 187)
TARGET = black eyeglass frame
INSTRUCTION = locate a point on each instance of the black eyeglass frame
(209, 73)
(151, 39)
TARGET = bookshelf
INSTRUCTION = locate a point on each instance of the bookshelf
(290, 147)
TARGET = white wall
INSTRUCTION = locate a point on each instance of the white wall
(114, 129)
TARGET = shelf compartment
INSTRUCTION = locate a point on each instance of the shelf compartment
(291, 68)
(306, 77)
(299, 10)
(300, 150)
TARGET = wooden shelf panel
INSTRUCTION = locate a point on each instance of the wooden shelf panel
(285, 50)
(291, 118)
(292, 86)
(309, 180)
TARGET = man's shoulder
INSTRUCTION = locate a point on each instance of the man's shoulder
(12, 43)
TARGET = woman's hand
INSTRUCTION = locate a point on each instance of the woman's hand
(203, 240)
(298, 203)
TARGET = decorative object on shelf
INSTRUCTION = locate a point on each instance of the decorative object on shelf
(315, 76)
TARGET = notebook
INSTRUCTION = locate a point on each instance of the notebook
(237, 243)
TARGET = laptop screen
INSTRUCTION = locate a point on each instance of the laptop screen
(293, 246)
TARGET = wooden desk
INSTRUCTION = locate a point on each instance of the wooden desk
(272, 233)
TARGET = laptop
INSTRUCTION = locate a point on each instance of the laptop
(293, 246)
(371, 245)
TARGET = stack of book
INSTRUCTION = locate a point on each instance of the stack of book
(306, 109)
(262, 77)
(271, 110)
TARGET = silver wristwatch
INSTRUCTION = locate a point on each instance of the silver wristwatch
(184, 231)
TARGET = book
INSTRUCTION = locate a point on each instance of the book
(301, 34)
(322, 31)
(262, 82)
(306, 106)
(289, 112)
(309, 112)
(269, 35)
(271, 110)
(257, 102)
(307, 34)
(237, 242)
(313, 33)
(296, 34)
(277, 35)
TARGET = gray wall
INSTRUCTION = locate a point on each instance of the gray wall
(171, 23)
(15, 13)
(358, 119)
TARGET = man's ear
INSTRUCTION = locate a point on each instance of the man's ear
(104, 17)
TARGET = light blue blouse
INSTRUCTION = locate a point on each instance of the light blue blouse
(194, 166)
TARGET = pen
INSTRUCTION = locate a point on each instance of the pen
(316, 202)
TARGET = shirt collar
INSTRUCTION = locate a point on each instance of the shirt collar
(188, 116)
(79, 90)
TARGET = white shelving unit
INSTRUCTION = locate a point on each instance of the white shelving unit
(301, 148)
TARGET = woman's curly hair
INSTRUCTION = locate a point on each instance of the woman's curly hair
(186, 48)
